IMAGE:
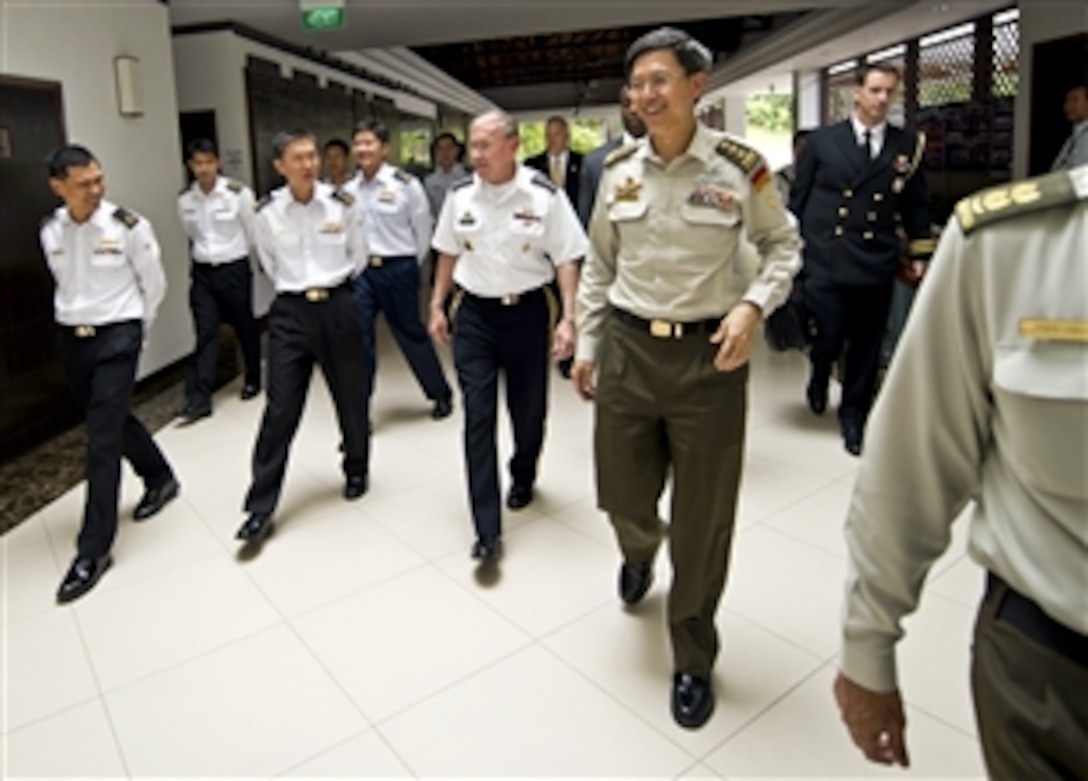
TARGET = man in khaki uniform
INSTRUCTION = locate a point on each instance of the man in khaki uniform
(987, 399)
(665, 320)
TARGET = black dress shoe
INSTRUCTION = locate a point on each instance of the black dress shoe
(816, 393)
(154, 499)
(190, 414)
(692, 700)
(249, 391)
(851, 438)
(519, 496)
(443, 408)
(256, 528)
(487, 548)
(82, 577)
(355, 487)
(635, 581)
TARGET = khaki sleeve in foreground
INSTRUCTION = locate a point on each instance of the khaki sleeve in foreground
(923, 457)
(776, 239)
(598, 274)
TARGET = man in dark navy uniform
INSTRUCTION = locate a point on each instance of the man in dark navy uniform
(853, 182)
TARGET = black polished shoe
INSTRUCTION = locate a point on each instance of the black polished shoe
(851, 438)
(356, 487)
(635, 581)
(256, 528)
(443, 408)
(154, 499)
(249, 391)
(82, 577)
(190, 414)
(692, 700)
(487, 549)
(816, 393)
(520, 496)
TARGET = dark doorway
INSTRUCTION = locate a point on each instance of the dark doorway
(196, 125)
(1056, 67)
(34, 399)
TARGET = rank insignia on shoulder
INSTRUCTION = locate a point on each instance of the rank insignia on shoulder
(344, 197)
(461, 183)
(234, 186)
(263, 201)
(125, 217)
(540, 180)
(1015, 199)
(402, 176)
(620, 153)
(741, 155)
(627, 190)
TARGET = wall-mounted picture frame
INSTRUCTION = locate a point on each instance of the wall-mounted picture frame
(6, 149)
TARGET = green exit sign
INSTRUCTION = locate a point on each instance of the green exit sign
(323, 19)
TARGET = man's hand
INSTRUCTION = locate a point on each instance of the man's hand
(875, 720)
(735, 336)
(439, 326)
(563, 342)
(581, 377)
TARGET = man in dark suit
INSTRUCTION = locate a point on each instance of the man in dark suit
(593, 163)
(557, 161)
(853, 182)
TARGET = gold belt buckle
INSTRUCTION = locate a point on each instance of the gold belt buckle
(84, 331)
(663, 329)
(315, 294)
(510, 299)
(376, 261)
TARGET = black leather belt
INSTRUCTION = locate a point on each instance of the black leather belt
(377, 261)
(90, 331)
(509, 299)
(667, 329)
(315, 295)
(1017, 610)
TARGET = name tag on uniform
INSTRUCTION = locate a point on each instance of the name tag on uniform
(1074, 331)
(527, 216)
(332, 227)
(106, 250)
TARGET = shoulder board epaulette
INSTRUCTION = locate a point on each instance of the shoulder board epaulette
(619, 153)
(541, 180)
(234, 185)
(402, 176)
(461, 183)
(47, 219)
(263, 201)
(183, 190)
(741, 155)
(345, 198)
(1015, 199)
(125, 216)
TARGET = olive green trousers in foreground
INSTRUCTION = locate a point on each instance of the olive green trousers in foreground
(661, 407)
(1031, 701)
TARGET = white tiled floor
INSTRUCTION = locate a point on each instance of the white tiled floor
(361, 643)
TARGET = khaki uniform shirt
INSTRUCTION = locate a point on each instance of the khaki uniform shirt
(987, 400)
(665, 239)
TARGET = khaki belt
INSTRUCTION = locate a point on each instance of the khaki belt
(666, 329)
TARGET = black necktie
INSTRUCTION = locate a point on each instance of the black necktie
(866, 147)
